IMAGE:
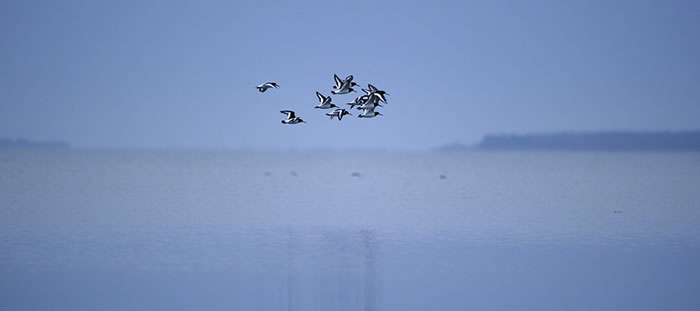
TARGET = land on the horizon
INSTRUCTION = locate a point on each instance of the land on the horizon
(20, 143)
(600, 140)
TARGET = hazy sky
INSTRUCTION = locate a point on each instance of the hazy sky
(182, 74)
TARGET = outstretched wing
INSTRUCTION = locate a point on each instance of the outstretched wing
(362, 99)
(337, 80)
(289, 113)
(273, 84)
(372, 89)
(372, 99)
(345, 86)
(380, 95)
(320, 96)
(348, 79)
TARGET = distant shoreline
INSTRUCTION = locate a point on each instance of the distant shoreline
(556, 141)
(8, 143)
(587, 141)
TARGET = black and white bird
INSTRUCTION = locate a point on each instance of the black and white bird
(373, 91)
(325, 102)
(339, 83)
(344, 88)
(369, 113)
(358, 101)
(338, 113)
(263, 87)
(371, 100)
(291, 118)
(337, 80)
(369, 105)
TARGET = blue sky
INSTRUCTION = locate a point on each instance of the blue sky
(176, 74)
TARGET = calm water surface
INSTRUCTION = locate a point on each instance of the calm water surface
(111, 230)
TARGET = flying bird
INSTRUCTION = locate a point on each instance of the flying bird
(339, 113)
(325, 101)
(263, 87)
(344, 88)
(371, 100)
(371, 105)
(291, 118)
(373, 91)
(369, 113)
(360, 100)
(339, 83)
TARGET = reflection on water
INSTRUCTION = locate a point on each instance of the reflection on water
(335, 268)
(370, 253)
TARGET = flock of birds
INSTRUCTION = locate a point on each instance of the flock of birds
(367, 102)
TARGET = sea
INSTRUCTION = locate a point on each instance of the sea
(349, 230)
